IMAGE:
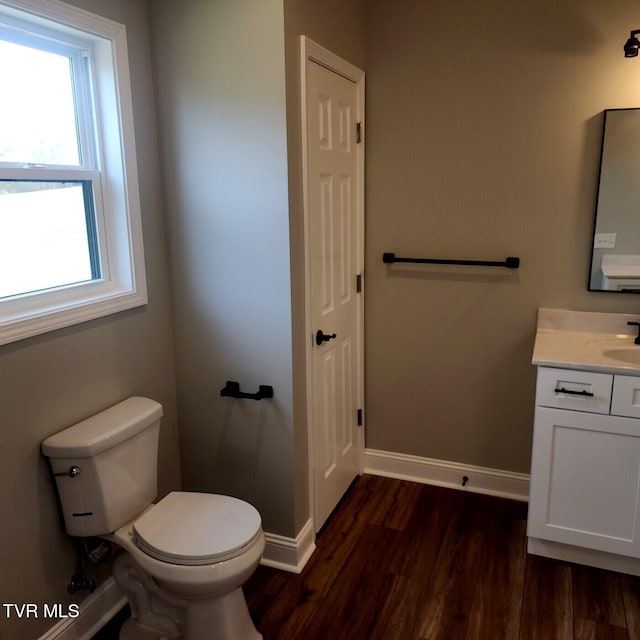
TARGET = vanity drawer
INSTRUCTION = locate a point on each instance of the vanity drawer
(574, 390)
(626, 396)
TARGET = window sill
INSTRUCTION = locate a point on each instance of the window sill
(19, 324)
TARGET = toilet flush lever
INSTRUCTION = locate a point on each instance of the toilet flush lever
(72, 473)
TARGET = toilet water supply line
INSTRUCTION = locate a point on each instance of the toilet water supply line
(100, 553)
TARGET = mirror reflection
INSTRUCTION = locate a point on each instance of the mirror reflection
(615, 258)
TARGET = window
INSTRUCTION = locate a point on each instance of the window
(70, 228)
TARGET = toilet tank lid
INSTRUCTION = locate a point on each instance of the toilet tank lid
(103, 430)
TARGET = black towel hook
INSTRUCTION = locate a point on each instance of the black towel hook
(232, 390)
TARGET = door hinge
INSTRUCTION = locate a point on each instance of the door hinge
(359, 283)
(358, 132)
(359, 417)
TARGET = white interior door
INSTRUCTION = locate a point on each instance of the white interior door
(334, 244)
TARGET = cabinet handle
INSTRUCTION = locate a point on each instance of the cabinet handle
(587, 394)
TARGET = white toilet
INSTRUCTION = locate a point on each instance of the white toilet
(185, 558)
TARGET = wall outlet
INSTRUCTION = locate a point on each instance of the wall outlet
(604, 241)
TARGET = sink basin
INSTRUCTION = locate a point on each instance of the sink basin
(630, 354)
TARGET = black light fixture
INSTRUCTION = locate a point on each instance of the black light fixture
(632, 45)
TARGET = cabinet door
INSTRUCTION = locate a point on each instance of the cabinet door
(626, 396)
(585, 472)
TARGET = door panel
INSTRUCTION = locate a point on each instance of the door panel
(332, 170)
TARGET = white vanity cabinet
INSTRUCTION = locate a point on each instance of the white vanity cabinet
(585, 468)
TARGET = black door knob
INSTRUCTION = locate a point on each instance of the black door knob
(323, 337)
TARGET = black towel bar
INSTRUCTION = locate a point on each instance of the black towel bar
(511, 262)
(232, 390)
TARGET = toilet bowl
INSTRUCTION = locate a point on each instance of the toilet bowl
(184, 559)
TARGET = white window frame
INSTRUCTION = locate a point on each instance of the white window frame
(112, 170)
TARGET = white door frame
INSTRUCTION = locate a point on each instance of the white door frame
(314, 53)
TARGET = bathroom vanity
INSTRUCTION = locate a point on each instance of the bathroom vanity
(584, 498)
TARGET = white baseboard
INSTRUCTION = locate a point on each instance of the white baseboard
(94, 612)
(494, 482)
(289, 554)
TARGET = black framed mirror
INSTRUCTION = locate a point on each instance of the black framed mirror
(615, 255)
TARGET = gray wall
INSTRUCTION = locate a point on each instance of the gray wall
(483, 139)
(220, 86)
(56, 379)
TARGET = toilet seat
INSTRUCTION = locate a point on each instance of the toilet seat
(188, 528)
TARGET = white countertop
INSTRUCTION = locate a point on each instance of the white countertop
(580, 340)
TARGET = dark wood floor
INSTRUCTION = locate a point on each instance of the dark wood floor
(404, 561)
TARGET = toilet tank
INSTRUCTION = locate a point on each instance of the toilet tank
(106, 467)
